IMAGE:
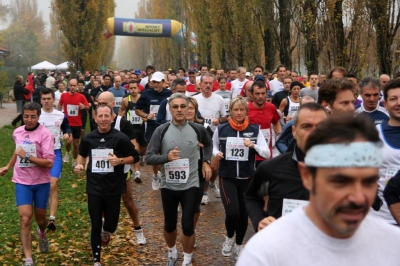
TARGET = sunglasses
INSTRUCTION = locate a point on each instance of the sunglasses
(175, 106)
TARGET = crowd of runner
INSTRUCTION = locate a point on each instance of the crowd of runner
(323, 146)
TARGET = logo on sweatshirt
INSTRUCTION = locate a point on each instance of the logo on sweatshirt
(248, 135)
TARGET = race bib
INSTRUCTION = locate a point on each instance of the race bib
(267, 134)
(227, 101)
(29, 149)
(72, 110)
(390, 172)
(177, 171)
(100, 162)
(154, 110)
(135, 119)
(236, 150)
(208, 116)
(290, 205)
(118, 101)
(56, 135)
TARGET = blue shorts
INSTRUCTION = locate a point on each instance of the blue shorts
(37, 195)
(55, 171)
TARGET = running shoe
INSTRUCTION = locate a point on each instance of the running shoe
(205, 200)
(136, 177)
(236, 250)
(142, 159)
(155, 184)
(28, 263)
(140, 239)
(97, 264)
(43, 242)
(172, 261)
(51, 225)
(214, 190)
(227, 246)
(187, 263)
(66, 158)
(105, 237)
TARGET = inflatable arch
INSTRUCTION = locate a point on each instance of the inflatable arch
(153, 28)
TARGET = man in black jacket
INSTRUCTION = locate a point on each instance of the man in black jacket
(279, 178)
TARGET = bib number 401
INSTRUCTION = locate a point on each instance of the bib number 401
(102, 164)
(237, 152)
(177, 175)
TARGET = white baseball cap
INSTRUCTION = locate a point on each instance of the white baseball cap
(247, 74)
(157, 76)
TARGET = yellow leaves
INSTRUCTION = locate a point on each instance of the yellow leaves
(74, 185)
(69, 213)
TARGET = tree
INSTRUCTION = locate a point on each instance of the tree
(82, 23)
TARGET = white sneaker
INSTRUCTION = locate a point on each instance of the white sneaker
(187, 263)
(66, 158)
(136, 177)
(214, 190)
(227, 246)
(237, 249)
(140, 239)
(205, 200)
(155, 184)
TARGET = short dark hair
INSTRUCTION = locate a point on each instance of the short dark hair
(150, 67)
(260, 84)
(47, 91)
(181, 68)
(392, 84)
(32, 106)
(308, 106)
(343, 128)
(277, 69)
(106, 76)
(350, 75)
(203, 65)
(103, 105)
(134, 81)
(177, 82)
(330, 87)
(337, 69)
(81, 81)
(221, 78)
(262, 69)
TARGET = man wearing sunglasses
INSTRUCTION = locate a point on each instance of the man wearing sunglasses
(174, 145)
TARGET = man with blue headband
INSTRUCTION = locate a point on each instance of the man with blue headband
(340, 170)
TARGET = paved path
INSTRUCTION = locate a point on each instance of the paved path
(7, 113)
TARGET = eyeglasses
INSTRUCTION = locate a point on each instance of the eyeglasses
(175, 106)
(30, 116)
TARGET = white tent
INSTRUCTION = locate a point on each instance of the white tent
(63, 65)
(44, 64)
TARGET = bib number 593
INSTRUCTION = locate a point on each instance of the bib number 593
(177, 175)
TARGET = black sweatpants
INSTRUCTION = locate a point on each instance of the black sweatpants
(170, 200)
(97, 205)
(232, 195)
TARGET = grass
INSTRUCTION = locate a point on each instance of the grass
(69, 244)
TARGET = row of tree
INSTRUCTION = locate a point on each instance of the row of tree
(361, 35)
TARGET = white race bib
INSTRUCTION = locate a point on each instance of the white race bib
(72, 110)
(56, 135)
(267, 134)
(391, 172)
(177, 171)
(100, 162)
(290, 205)
(236, 150)
(154, 110)
(29, 149)
(135, 119)
(227, 102)
(118, 101)
(208, 116)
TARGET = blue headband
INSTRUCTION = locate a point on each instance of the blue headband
(354, 154)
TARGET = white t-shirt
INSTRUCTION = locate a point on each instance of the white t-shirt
(275, 86)
(237, 86)
(144, 81)
(52, 121)
(57, 96)
(211, 108)
(295, 240)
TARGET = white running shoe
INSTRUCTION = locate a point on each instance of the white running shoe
(66, 158)
(155, 184)
(237, 249)
(205, 200)
(172, 261)
(140, 239)
(214, 190)
(227, 246)
(136, 177)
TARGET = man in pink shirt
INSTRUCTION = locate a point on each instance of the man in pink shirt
(32, 160)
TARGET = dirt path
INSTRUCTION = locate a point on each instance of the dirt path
(7, 113)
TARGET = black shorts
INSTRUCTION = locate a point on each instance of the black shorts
(139, 136)
(149, 133)
(76, 132)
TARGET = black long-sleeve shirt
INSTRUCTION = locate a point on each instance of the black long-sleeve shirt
(278, 178)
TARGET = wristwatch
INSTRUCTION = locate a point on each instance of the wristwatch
(121, 161)
(27, 157)
(207, 161)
